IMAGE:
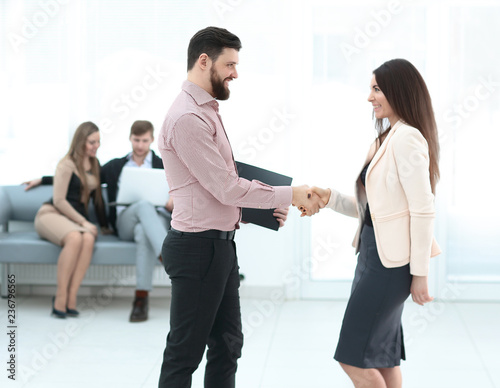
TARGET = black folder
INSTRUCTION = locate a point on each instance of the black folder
(261, 217)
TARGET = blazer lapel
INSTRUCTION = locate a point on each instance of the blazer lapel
(382, 148)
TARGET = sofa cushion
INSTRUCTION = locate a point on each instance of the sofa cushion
(24, 204)
(17, 204)
(28, 247)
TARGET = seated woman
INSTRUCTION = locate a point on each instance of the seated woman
(64, 219)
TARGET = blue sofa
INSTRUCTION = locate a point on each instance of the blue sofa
(24, 246)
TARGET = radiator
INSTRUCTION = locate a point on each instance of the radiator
(98, 275)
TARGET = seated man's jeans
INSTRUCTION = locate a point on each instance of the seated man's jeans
(142, 223)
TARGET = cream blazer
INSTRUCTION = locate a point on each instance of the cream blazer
(401, 202)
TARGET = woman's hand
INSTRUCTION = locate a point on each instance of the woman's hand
(306, 201)
(91, 228)
(324, 194)
(419, 290)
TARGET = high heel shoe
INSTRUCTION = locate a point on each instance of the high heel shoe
(56, 313)
(72, 312)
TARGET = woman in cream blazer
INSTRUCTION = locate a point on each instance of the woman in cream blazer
(394, 202)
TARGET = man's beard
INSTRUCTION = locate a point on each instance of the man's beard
(218, 88)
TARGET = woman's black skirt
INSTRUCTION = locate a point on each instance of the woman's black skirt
(371, 334)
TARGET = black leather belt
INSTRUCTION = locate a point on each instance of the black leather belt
(211, 233)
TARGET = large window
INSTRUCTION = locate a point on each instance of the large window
(453, 46)
(299, 106)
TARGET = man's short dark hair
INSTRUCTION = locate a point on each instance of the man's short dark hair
(140, 127)
(211, 41)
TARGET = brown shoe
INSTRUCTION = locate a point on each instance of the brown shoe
(139, 310)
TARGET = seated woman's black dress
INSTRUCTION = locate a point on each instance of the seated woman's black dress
(371, 334)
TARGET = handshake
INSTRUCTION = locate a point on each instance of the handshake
(310, 199)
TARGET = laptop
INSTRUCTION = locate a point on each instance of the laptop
(137, 184)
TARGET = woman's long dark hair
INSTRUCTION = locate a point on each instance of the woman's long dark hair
(409, 98)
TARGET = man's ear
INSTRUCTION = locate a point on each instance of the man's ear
(204, 61)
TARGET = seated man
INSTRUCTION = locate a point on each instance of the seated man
(141, 221)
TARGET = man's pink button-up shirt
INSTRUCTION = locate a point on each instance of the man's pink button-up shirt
(200, 170)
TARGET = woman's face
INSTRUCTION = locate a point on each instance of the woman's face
(92, 144)
(381, 107)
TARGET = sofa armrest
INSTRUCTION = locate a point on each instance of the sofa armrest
(5, 209)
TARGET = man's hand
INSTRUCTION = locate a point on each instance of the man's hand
(281, 215)
(308, 203)
(317, 204)
(419, 290)
(324, 194)
(106, 231)
(33, 183)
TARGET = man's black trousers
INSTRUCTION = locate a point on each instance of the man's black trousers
(204, 310)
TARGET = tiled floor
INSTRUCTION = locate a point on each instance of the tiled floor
(289, 345)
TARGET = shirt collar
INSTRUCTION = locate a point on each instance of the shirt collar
(200, 95)
(147, 159)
